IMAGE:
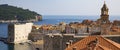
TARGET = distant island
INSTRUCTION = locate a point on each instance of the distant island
(8, 13)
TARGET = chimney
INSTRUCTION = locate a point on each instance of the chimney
(71, 41)
(68, 44)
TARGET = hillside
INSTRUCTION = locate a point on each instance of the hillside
(8, 12)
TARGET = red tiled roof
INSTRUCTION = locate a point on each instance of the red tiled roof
(102, 44)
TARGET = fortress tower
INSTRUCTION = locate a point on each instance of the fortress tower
(18, 33)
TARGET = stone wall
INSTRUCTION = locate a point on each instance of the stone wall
(37, 40)
(58, 42)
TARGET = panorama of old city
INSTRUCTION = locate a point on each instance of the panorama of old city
(24, 34)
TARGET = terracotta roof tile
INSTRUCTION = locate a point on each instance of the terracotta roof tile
(102, 44)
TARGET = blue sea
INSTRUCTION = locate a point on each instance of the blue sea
(50, 19)
(55, 19)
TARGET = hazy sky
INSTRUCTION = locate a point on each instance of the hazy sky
(66, 7)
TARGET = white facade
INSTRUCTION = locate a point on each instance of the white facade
(20, 33)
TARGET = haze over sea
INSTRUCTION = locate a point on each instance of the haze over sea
(52, 19)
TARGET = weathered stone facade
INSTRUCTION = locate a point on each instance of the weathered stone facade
(18, 33)
(59, 42)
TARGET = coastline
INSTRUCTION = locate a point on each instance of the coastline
(16, 21)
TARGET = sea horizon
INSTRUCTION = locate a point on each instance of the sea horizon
(51, 19)
(55, 19)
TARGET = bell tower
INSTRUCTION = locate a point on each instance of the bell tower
(104, 14)
(104, 9)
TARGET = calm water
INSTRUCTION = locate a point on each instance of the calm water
(50, 19)
(47, 20)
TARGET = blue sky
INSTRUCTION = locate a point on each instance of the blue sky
(66, 7)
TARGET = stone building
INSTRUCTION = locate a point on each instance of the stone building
(38, 18)
(61, 41)
(62, 26)
(46, 29)
(36, 37)
(57, 41)
(116, 22)
(18, 33)
(82, 29)
(104, 15)
(69, 30)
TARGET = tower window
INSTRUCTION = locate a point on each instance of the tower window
(104, 12)
(104, 21)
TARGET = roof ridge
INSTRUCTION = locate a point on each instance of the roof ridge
(82, 40)
(114, 43)
(103, 47)
(111, 42)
